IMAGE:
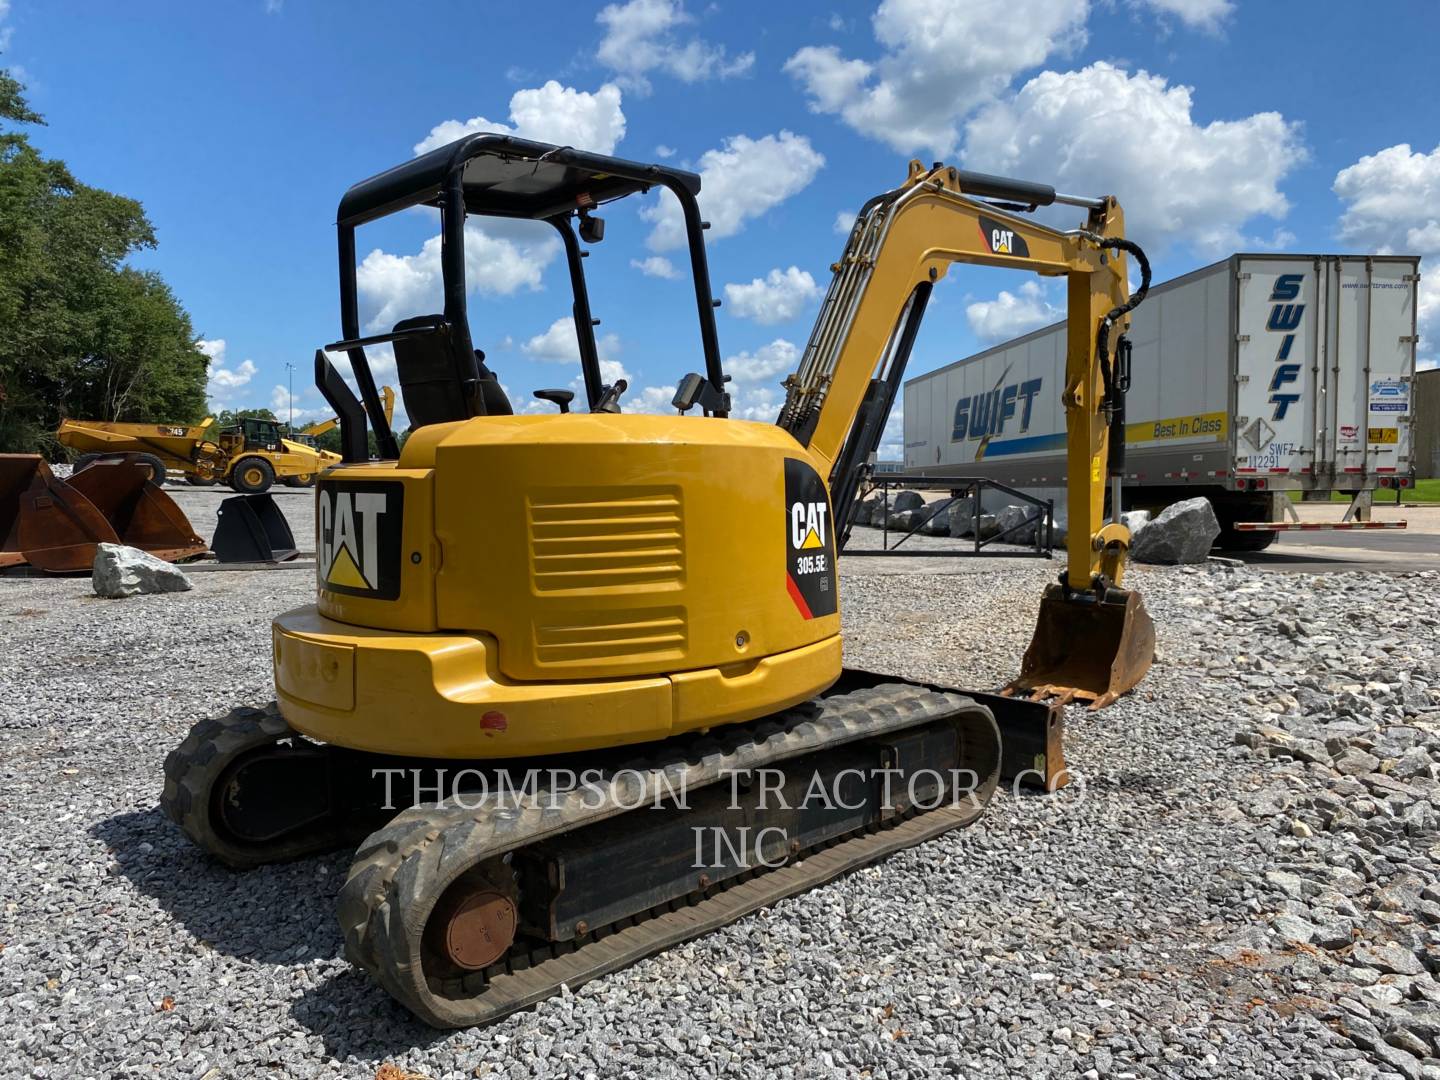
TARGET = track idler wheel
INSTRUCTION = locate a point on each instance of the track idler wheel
(250, 791)
(1086, 647)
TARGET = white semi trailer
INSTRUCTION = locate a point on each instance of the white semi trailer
(1252, 378)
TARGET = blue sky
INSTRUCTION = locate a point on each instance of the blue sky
(1221, 125)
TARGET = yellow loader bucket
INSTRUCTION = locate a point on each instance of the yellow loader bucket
(1086, 648)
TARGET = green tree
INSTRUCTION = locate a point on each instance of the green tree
(81, 333)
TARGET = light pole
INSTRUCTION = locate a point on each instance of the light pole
(290, 423)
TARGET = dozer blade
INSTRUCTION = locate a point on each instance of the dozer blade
(1086, 649)
(138, 509)
(45, 521)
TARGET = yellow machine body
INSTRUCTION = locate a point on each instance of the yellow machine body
(521, 585)
(540, 584)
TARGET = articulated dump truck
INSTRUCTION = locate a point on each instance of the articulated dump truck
(250, 456)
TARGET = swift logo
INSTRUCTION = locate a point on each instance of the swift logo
(1284, 319)
(983, 416)
(357, 544)
(1001, 240)
(809, 546)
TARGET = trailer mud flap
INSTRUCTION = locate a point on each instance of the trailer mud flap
(140, 512)
(252, 529)
(1086, 648)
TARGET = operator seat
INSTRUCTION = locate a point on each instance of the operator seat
(430, 381)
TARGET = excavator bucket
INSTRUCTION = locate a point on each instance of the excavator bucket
(1086, 649)
(253, 529)
(44, 521)
(138, 509)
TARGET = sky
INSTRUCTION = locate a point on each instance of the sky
(1221, 125)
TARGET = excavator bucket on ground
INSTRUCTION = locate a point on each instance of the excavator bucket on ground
(55, 525)
(139, 510)
(253, 529)
(1085, 648)
(45, 521)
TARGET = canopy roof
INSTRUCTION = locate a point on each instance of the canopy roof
(508, 177)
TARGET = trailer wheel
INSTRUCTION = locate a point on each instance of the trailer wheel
(1234, 540)
(199, 481)
(304, 480)
(251, 476)
(155, 465)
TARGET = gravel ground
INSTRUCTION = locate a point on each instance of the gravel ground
(1243, 882)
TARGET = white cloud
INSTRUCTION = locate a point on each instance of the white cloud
(1204, 15)
(501, 258)
(644, 36)
(656, 266)
(1101, 130)
(765, 363)
(778, 297)
(6, 32)
(844, 222)
(939, 62)
(655, 400)
(558, 344)
(280, 402)
(663, 151)
(551, 113)
(223, 379)
(1011, 314)
(1392, 206)
(740, 181)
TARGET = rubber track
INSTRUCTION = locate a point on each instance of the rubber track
(402, 870)
(193, 771)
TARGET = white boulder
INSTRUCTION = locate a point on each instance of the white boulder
(120, 571)
(1183, 533)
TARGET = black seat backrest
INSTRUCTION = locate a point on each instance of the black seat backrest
(430, 384)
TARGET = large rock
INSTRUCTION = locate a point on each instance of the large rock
(962, 517)
(939, 524)
(865, 511)
(1018, 519)
(906, 500)
(1183, 533)
(1134, 520)
(121, 571)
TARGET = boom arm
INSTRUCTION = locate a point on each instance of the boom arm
(320, 427)
(902, 243)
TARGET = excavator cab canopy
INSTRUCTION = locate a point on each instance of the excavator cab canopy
(443, 377)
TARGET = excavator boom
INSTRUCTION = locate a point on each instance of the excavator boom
(1093, 641)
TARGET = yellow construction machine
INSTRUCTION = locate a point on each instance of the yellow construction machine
(553, 657)
(250, 456)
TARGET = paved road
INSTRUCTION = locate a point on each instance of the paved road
(1416, 547)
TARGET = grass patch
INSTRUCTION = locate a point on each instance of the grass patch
(1424, 491)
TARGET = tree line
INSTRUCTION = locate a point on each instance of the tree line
(82, 334)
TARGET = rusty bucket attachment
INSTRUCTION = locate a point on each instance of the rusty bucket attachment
(44, 521)
(252, 529)
(55, 525)
(138, 509)
(1086, 648)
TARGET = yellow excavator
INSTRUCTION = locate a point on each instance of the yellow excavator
(581, 672)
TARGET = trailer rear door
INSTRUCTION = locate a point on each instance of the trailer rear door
(1277, 321)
